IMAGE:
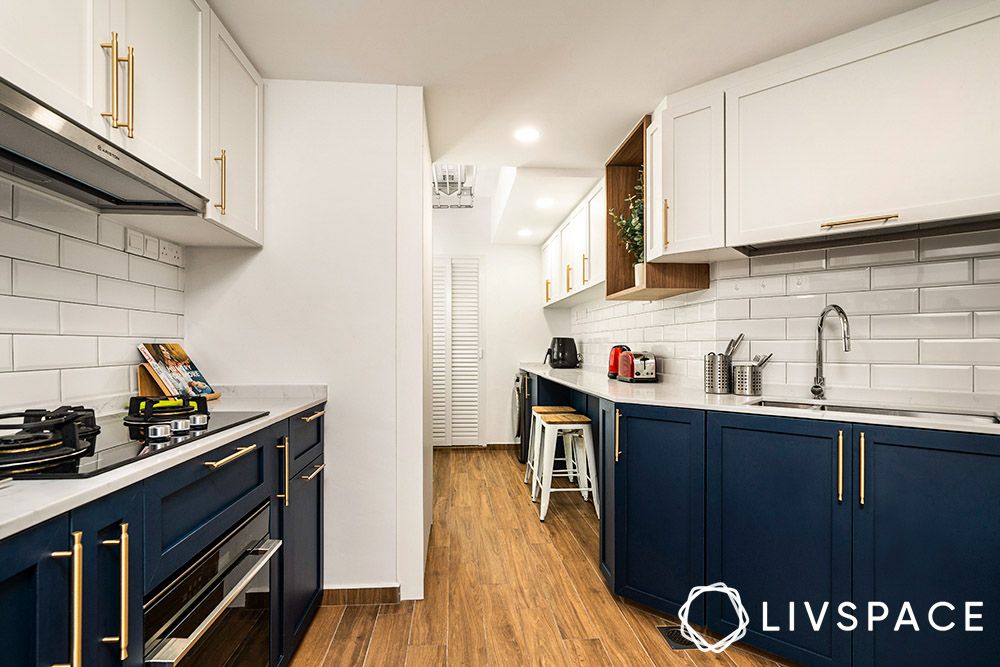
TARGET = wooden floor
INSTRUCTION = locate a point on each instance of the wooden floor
(502, 588)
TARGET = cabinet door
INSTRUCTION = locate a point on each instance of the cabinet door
(572, 248)
(550, 267)
(103, 523)
(660, 507)
(929, 531)
(35, 595)
(656, 241)
(52, 49)
(170, 78)
(302, 554)
(779, 531)
(237, 94)
(597, 220)
(693, 178)
(607, 426)
(862, 135)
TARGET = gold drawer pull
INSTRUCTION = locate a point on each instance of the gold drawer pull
(313, 416)
(240, 451)
(583, 269)
(113, 84)
(548, 284)
(840, 466)
(618, 417)
(76, 638)
(666, 210)
(855, 221)
(569, 287)
(285, 497)
(122, 638)
(221, 159)
(315, 472)
(862, 468)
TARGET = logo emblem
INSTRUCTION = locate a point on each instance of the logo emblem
(695, 637)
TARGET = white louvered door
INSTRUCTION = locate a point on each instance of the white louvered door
(457, 358)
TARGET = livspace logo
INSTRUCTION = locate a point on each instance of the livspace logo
(940, 617)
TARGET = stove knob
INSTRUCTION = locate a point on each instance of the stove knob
(180, 426)
(158, 432)
(198, 421)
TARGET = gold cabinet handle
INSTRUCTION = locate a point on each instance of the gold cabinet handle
(122, 638)
(76, 637)
(113, 83)
(221, 159)
(862, 497)
(855, 221)
(569, 267)
(666, 209)
(583, 269)
(284, 446)
(840, 466)
(314, 416)
(618, 418)
(315, 472)
(548, 285)
(240, 451)
(129, 124)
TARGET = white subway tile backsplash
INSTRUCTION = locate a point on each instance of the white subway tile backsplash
(750, 287)
(962, 298)
(883, 301)
(732, 309)
(49, 282)
(701, 331)
(960, 245)
(785, 350)
(837, 375)
(787, 306)
(805, 327)
(924, 325)
(113, 351)
(930, 378)
(110, 233)
(735, 268)
(987, 324)
(83, 384)
(661, 317)
(753, 329)
(152, 324)
(792, 262)
(19, 315)
(29, 389)
(988, 270)
(92, 258)
(979, 352)
(152, 272)
(5, 275)
(652, 334)
(987, 379)
(874, 351)
(927, 274)
(92, 320)
(871, 254)
(43, 352)
(48, 212)
(6, 199)
(6, 350)
(844, 280)
(30, 243)
(123, 294)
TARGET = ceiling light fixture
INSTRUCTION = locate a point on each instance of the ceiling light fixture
(544, 202)
(524, 233)
(526, 135)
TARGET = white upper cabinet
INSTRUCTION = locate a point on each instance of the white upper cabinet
(52, 50)
(235, 169)
(597, 221)
(574, 250)
(690, 194)
(654, 208)
(899, 130)
(551, 257)
(163, 92)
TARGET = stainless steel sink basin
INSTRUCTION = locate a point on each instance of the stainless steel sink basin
(941, 415)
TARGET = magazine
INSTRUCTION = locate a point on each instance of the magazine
(175, 369)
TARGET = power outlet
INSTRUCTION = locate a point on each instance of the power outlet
(152, 248)
(135, 242)
(171, 253)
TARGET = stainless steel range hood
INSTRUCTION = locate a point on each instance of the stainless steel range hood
(41, 146)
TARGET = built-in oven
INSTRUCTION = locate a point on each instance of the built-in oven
(217, 610)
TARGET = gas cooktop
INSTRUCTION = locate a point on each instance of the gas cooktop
(71, 442)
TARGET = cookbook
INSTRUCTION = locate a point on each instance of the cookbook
(175, 370)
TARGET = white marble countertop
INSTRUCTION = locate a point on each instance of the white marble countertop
(675, 396)
(25, 503)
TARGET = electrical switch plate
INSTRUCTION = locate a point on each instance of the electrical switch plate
(171, 253)
(135, 242)
(152, 248)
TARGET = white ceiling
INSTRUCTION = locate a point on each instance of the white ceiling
(564, 188)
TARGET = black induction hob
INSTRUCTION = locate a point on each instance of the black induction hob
(115, 446)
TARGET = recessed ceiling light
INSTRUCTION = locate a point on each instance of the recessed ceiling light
(544, 202)
(526, 135)
(524, 233)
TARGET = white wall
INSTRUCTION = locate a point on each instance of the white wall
(515, 328)
(321, 303)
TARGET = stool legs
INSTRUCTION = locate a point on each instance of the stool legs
(588, 444)
(549, 454)
(529, 465)
(579, 453)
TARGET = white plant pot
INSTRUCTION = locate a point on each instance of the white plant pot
(640, 274)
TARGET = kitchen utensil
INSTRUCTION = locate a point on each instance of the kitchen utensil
(562, 353)
(730, 347)
(763, 360)
(747, 379)
(613, 360)
(636, 367)
(717, 373)
(736, 345)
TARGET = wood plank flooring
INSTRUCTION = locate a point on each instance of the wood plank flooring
(502, 588)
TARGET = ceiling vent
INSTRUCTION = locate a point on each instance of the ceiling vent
(453, 185)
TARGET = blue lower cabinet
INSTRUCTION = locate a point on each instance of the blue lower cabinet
(35, 595)
(659, 492)
(779, 530)
(302, 554)
(928, 532)
(605, 437)
(112, 530)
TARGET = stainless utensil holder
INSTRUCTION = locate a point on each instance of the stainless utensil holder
(747, 379)
(718, 371)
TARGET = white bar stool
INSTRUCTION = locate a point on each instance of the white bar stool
(572, 427)
(532, 465)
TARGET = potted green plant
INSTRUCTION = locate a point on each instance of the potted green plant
(630, 230)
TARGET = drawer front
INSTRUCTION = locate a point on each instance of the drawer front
(305, 437)
(190, 506)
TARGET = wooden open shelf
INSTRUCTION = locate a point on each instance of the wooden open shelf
(662, 280)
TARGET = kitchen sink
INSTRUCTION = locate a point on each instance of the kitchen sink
(974, 417)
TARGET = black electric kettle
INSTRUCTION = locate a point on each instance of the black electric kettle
(562, 353)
